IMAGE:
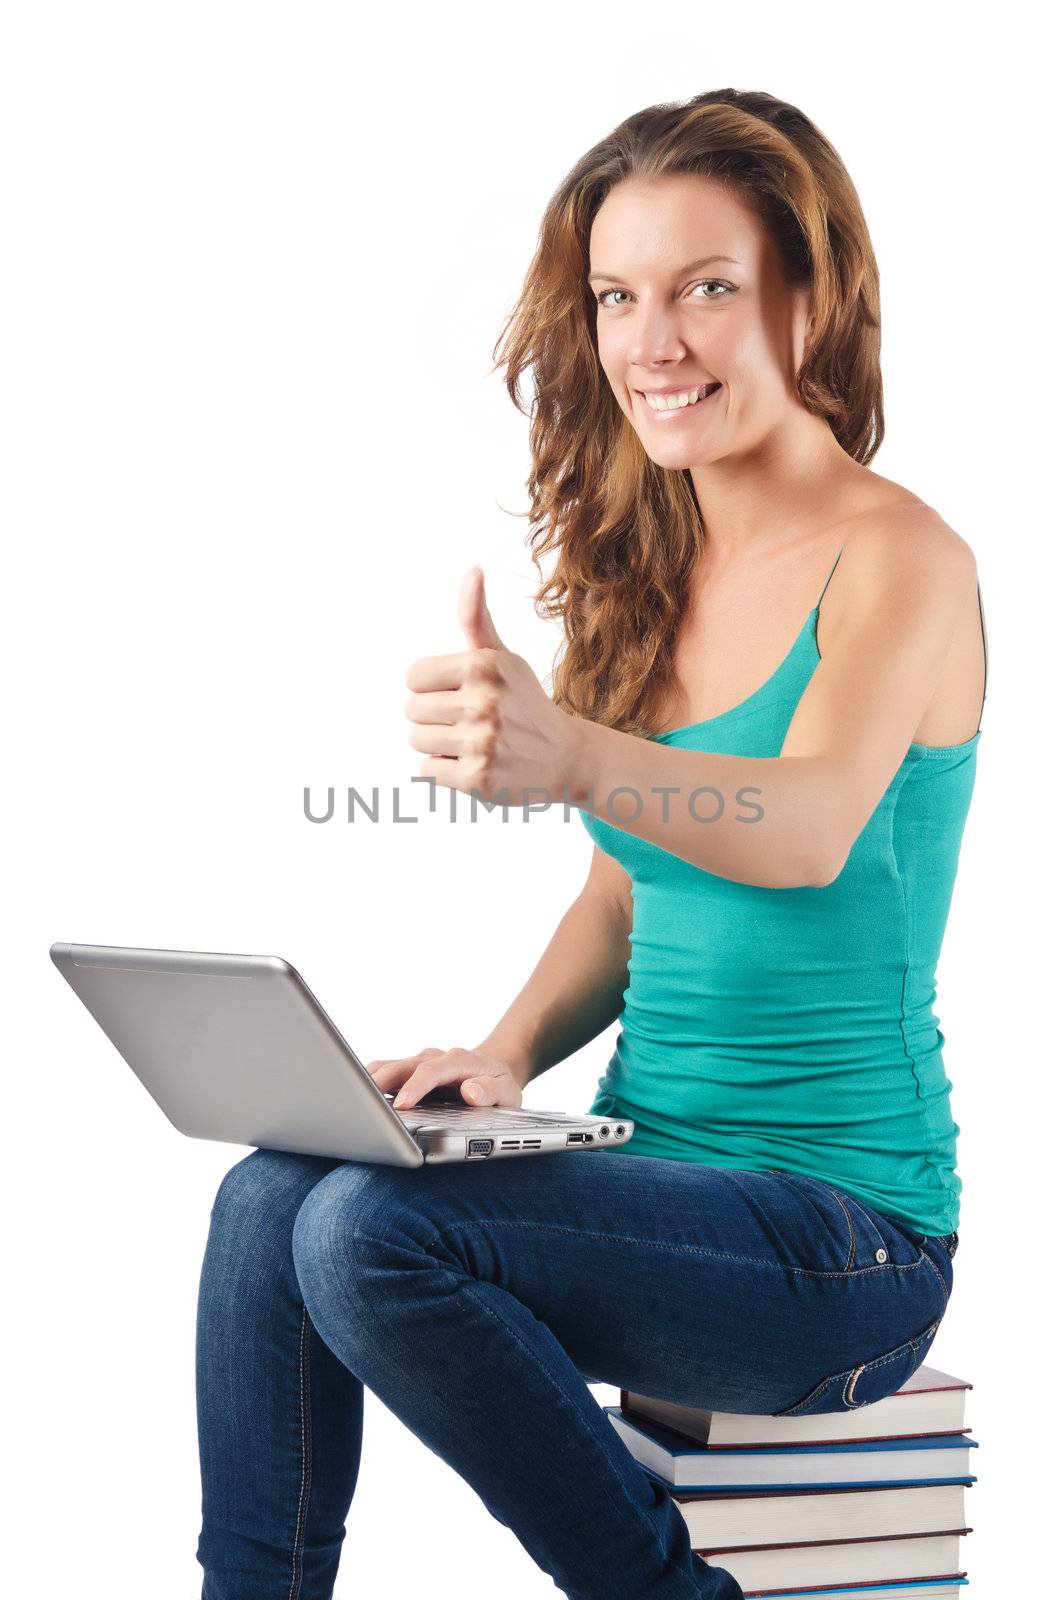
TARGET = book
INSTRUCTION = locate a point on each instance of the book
(921, 1589)
(875, 1463)
(929, 1402)
(856, 1562)
(804, 1515)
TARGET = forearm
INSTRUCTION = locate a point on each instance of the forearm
(573, 993)
(757, 820)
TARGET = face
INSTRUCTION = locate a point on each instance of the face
(690, 297)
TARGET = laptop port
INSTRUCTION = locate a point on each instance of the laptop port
(479, 1147)
(604, 1131)
(579, 1138)
(620, 1130)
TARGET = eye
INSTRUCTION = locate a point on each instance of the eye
(726, 288)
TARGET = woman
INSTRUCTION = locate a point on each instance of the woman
(776, 828)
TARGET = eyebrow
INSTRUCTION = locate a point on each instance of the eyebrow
(607, 277)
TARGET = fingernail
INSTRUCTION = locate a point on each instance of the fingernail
(472, 1091)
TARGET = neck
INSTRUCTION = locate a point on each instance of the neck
(768, 497)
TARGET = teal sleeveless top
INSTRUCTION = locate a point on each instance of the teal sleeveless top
(792, 1030)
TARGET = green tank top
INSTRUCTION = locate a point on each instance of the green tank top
(792, 1029)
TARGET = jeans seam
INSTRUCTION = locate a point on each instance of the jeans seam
(847, 1395)
(942, 1282)
(307, 1456)
(473, 1285)
(799, 1404)
(677, 1249)
(850, 1226)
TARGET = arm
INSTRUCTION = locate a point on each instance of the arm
(576, 989)
(791, 820)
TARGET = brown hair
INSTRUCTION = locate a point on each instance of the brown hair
(629, 533)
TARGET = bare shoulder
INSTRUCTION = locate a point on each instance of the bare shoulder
(905, 562)
(907, 544)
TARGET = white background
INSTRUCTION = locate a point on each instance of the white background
(256, 259)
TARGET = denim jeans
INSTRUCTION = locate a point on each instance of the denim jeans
(479, 1300)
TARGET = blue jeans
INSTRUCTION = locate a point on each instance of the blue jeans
(478, 1301)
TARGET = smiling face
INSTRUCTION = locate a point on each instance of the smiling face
(698, 333)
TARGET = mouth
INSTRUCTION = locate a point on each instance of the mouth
(667, 407)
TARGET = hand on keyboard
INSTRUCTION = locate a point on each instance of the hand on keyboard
(466, 1078)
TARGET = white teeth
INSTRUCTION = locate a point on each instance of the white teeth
(674, 402)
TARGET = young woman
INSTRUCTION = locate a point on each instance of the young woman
(768, 713)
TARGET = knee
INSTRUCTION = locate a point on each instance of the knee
(358, 1223)
(248, 1248)
(263, 1192)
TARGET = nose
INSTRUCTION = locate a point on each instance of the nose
(656, 336)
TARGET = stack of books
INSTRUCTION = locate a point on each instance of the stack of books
(865, 1504)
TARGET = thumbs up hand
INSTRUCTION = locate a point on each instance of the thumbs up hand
(482, 719)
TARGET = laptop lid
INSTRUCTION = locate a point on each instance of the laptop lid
(237, 1048)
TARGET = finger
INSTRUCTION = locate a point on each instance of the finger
(473, 612)
(454, 772)
(436, 739)
(443, 706)
(438, 672)
(389, 1072)
(492, 1089)
(432, 1074)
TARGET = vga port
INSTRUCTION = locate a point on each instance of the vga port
(479, 1147)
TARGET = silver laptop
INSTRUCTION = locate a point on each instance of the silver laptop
(237, 1048)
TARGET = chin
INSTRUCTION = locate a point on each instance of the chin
(679, 458)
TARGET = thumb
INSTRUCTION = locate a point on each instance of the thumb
(473, 613)
(476, 1091)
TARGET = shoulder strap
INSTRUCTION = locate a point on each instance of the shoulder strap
(829, 578)
(986, 654)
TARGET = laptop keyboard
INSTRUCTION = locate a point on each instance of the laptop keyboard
(476, 1117)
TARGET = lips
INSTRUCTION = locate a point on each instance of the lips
(668, 413)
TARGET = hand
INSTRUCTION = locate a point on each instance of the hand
(483, 720)
(484, 1080)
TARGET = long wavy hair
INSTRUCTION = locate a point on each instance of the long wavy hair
(627, 532)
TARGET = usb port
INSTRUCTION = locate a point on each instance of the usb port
(579, 1138)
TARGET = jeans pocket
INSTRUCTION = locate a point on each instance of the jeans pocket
(860, 1385)
(828, 1230)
